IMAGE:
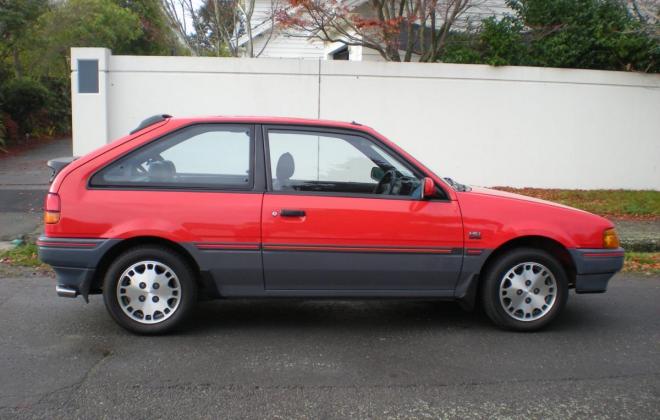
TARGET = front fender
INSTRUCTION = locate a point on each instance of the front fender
(500, 219)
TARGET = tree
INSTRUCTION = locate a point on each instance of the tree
(82, 23)
(598, 34)
(156, 37)
(589, 34)
(398, 30)
(215, 26)
(503, 43)
(185, 21)
(35, 40)
(247, 9)
(23, 99)
(16, 18)
(647, 11)
(220, 23)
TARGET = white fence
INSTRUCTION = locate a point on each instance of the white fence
(514, 126)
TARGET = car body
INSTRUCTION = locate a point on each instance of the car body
(284, 207)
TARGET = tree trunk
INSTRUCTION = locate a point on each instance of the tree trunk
(393, 53)
(248, 23)
(18, 67)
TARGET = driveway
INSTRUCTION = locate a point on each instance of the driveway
(62, 358)
(23, 183)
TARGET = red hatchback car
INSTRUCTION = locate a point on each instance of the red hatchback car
(227, 207)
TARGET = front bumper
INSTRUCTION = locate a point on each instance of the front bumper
(595, 268)
(74, 261)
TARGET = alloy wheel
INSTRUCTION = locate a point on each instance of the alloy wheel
(528, 291)
(149, 292)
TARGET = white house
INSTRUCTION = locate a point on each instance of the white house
(272, 41)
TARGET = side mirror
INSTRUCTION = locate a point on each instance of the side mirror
(428, 188)
(377, 173)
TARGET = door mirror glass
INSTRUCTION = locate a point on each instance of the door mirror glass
(377, 173)
(428, 188)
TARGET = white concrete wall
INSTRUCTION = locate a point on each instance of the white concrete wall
(514, 126)
(89, 111)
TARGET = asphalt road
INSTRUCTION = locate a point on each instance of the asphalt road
(60, 358)
(23, 185)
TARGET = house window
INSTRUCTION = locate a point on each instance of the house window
(341, 54)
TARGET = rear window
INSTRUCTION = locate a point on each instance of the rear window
(215, 156)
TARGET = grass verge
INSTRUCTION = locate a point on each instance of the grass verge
(642, 262)
(22, 256)
(620, 204)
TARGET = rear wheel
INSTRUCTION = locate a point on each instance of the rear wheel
(149, 290)
(524, 289)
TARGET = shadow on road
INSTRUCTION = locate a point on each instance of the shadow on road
(354, 316)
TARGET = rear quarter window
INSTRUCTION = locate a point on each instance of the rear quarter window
(215, 156)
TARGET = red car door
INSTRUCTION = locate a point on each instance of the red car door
(344, 213)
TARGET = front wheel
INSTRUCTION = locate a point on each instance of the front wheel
(149, 290)
(524, 289)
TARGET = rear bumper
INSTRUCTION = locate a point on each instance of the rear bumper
(74, 261)
(595, 268)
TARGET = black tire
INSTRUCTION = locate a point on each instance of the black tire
(495, 277)
(181, 271)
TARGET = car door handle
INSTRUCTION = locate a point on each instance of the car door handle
(292, 213)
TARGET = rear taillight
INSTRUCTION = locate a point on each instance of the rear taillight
(52, 208)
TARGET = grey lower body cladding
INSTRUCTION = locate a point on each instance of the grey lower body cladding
(262, 271)
(595, 268)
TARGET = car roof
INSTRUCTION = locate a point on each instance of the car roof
(274, 120)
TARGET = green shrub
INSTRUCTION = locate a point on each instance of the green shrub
(586, 34)
(461, 49)
(23, 99)
(501, 42)
(58, 106)
(590, 34)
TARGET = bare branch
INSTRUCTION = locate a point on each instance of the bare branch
(390, 27)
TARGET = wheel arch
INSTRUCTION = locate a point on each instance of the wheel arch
(552, 246)
(126, 244)
(468, 290)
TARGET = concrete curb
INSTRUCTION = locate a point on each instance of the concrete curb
(639, 236)
(641, 245)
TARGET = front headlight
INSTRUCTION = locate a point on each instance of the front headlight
(610, 239)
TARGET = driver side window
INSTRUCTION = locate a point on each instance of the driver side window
(202, 156)
(336, 163)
